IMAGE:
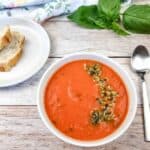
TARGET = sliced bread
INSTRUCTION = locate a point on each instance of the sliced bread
(5, 37)
(10, 55)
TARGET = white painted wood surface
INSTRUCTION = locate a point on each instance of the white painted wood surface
(20, 126)
(67, 38)
(25, 93)
(22, 129)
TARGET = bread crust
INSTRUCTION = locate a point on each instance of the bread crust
(14, 59)
(5, 38)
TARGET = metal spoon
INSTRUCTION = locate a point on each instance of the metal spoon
(140, 62)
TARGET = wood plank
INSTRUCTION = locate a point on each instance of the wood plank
(21, 128)
(25, 93)
(67, 38)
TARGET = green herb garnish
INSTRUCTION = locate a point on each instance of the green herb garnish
(93, 70)
(107, 96)
(95, 117)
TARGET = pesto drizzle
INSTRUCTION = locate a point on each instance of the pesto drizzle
(106, 99)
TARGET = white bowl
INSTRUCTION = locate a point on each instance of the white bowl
(112, 64)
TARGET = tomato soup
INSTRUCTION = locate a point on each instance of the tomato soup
(86, 100)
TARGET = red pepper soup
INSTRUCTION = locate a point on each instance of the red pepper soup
(86, 100)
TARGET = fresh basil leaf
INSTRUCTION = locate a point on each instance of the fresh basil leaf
(116, 27)
(109, 9)
(137, 18)
(101, 23)
(82, 16)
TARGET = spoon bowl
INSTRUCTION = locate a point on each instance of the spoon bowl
(140, 61)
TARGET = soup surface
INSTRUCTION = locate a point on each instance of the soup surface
(86, 100)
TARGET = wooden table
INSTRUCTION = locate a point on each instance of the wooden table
(20, 125)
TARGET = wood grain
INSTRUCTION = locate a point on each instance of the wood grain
(67, 37)
(21, 128)
(25, 93)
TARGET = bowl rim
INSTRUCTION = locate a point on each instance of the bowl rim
(112, 64)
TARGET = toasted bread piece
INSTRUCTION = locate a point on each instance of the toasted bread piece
(5, 37)
(10, 55)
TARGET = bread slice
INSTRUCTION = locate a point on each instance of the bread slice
(5, 37)
(10, 55)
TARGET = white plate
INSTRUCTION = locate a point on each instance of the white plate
(35, 53)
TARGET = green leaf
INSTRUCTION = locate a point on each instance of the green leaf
(109, 9)
(118, 29)
(82, 16)
(137, 19)
(100, 22)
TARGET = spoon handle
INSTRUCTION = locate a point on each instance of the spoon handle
(146, 111)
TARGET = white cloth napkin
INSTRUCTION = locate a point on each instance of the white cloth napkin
(20, 3)
(40, 10)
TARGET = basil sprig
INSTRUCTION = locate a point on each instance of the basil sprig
(103, 16)
(106, 15)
